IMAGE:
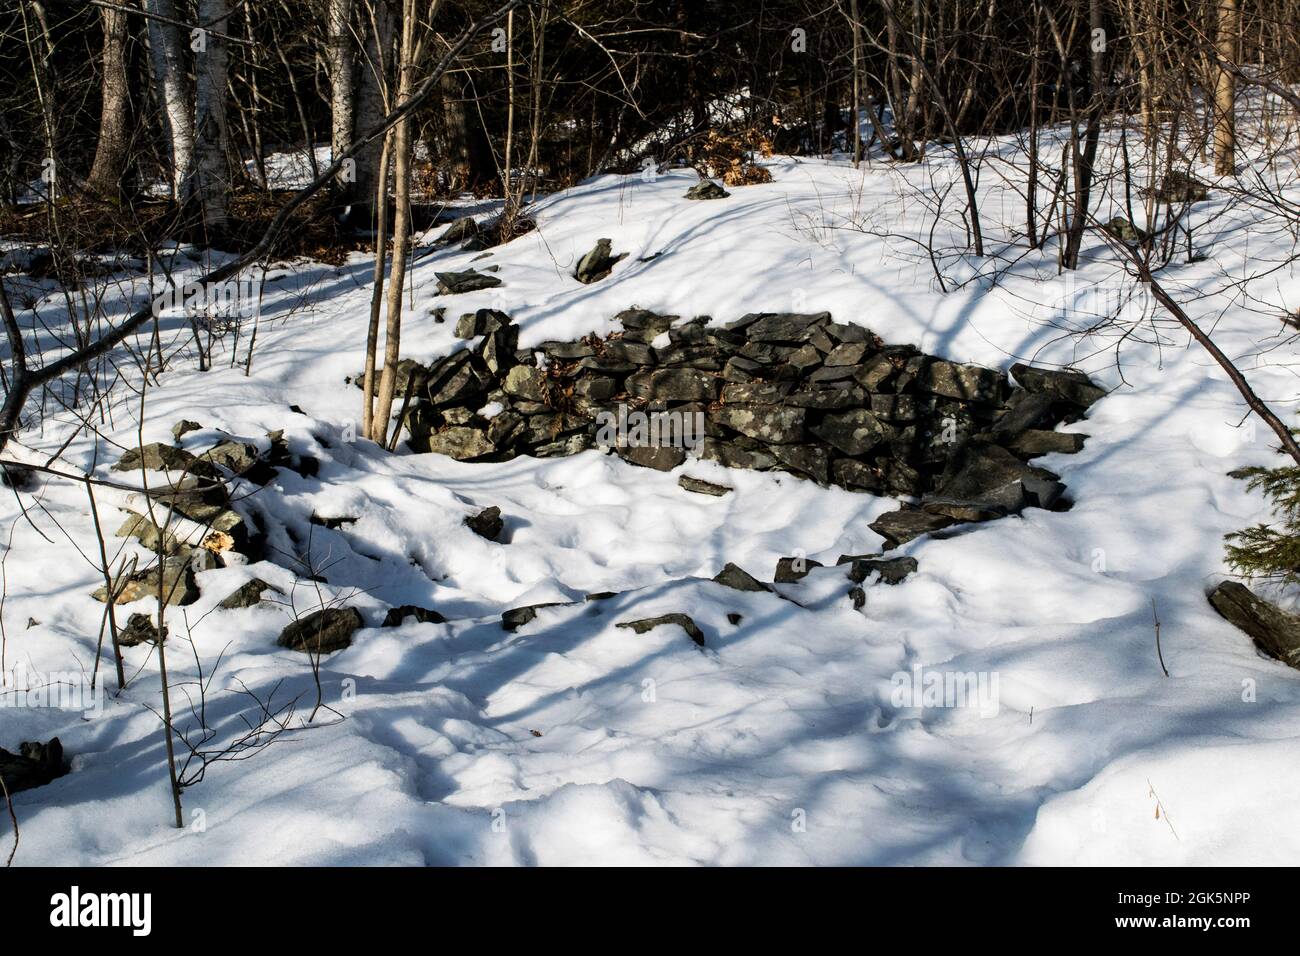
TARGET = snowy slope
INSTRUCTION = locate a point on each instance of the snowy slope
(573, 741)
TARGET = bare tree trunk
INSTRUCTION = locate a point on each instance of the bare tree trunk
(915, 102)
(1143, 52)
(1225, 90)
(372, 100)
(377, 291)
(1031, 189)
(309, 142)
(249, 116)
(857, 83)
(112, 148)
(906, 144)
(401, 230)
(1084, 161)
(342, 76)
(925, 74)
(171, 82)
(536, 73)
(469, 152)
(46, 81)
(506, 152)
(212, 179)
(458, 147)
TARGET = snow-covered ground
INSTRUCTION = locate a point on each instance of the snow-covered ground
(782, 741)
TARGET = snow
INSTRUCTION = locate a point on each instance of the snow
(574, 741)
(292, 170)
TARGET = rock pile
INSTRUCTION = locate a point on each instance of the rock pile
(197, 489)
(799, 393)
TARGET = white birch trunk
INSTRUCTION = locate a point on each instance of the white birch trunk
(342, 80)
(167, 44)
(212, 137)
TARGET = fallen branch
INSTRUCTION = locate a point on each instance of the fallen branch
(1234, 374)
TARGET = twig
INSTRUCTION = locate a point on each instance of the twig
(1160, 809)
(110, 593)
(1156, 619)
(13, 817)
(1234, 374)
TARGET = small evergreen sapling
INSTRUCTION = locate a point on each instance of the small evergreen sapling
(1270, 550)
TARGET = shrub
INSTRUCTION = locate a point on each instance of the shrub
(1270, 550)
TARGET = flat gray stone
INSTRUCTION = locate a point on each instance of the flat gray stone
(891, 570)
(456, 283)
(486, 523)
(733, 455)
(674, 385)
(790, 570)
(979, 470)
(875, 372)
(177, 581)
(899, 527)
(702, 487)
(1032, 443)
(846, 353)
(1069, 385)
(158, 456)
(1275, 632)
(738, 579)
(527, 382)
(810, 460)
(397, 615)
(854, 432)
(706, 189)
(517, 617)
(658, 457)
(1024, 411)
(681, 620)
(642, 325)
(967, 382)
(780, 326)
(248, 594)
(323, 632)
(776, 424)
(459, 442)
